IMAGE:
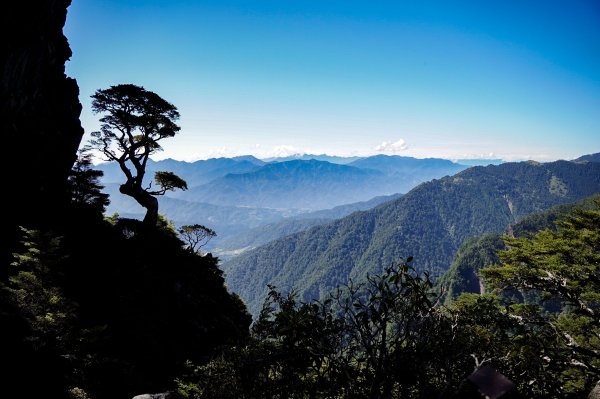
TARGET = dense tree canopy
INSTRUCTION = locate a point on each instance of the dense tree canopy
(389, 336)
(386, 337)
(84, 186)
(561, 265)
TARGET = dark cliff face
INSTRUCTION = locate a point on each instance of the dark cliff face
(39, 109)
(40, 132)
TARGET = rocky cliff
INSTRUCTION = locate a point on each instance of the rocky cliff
(39, 109)
(40, 132)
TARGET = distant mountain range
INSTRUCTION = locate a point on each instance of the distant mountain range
(308, 157)
(479, 162)
(299, 184)
(308, 184)
(194, 173)
(430, 223)
(282, 187)
(313, 184)
(347, 160)
(398, 166)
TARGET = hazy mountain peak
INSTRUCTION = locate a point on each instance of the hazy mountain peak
(321, 157)
(589, 158)
(249, 158)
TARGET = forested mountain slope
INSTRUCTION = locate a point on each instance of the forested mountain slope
(227, 221)
(589, 158)
(261, 235)
(430, 223)
(479, 252)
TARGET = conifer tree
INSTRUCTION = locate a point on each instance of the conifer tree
(561, 265)
(135, 121)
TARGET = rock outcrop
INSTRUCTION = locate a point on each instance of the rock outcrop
(39, 109)
(595, 394)
(165, 395)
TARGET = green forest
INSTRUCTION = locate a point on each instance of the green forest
(430, 223)
(97, 306)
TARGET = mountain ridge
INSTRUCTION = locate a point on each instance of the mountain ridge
(195, 173)
(595, 157)
(429, 223)
(260, 235)
(481, 251)
(314, 184)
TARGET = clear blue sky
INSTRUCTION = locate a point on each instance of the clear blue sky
(451, 79)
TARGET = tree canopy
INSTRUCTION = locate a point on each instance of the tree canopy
(134, 122)
(564, 266)
(196, 236)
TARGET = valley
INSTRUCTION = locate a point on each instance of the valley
(311, 225)
(235, 195)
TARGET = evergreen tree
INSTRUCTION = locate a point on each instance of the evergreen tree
(135, 121)
(562, 265)
(196, 236)
(84, 185)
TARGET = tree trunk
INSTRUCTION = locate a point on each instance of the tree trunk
(146, 200)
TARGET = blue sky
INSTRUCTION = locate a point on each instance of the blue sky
(450, 79)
